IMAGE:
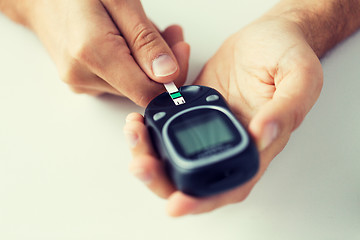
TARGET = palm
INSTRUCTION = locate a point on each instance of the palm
(252, 66)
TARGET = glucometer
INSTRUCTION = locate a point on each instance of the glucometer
(204, 148)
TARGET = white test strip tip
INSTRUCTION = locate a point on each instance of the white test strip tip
(174, 93)
(179, 101)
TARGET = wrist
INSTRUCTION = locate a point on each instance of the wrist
(324, 23)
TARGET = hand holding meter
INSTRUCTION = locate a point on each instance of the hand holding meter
(203, 146)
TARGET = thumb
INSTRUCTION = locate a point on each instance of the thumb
(174, 37)
(276, 120)
(146, 44)
(292, 100)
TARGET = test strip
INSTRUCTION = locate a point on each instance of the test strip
(174, 93)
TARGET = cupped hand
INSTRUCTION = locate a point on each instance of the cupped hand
(270, 77)
(110, 46)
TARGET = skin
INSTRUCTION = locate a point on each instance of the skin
(271, 76)
(270, 84)
(269, 72)
(107, 46)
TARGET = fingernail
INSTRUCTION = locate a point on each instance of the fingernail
(270, 133)
(131, 138)
(163, 66)
(142, 175)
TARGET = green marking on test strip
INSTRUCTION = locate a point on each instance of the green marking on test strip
(175, 95)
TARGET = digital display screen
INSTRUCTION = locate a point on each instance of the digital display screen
(203, 132)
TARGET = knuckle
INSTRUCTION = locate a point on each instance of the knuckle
(86, 50)
(74, 81)
(83, 52)
(68, 76)
(142, 96)
(115, 42)
(77, 90)
(140, 99)
(145, 37)
(71, 77)
(96, 51)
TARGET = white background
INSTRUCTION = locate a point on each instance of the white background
(64, 159)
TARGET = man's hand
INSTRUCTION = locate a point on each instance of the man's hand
(270, 77)
(105, 46)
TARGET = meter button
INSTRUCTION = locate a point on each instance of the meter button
(191, 89)
(158, 116)
(212, 98)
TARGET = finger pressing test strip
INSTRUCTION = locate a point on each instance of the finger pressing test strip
(174, 93)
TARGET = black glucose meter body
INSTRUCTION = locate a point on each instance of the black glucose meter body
(204, 148)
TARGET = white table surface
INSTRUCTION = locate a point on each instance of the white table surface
(64, 160)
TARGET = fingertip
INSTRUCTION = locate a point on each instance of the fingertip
(181, 51)
(173, 34)
(149, 170)
(174, 28)
(180, 204)
(137, 136)
(142, 167)
(134, 116)
(277, 119)
(133, 126)
(264, 132)
(145, 164)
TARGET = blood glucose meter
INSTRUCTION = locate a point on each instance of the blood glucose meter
(204, 148)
